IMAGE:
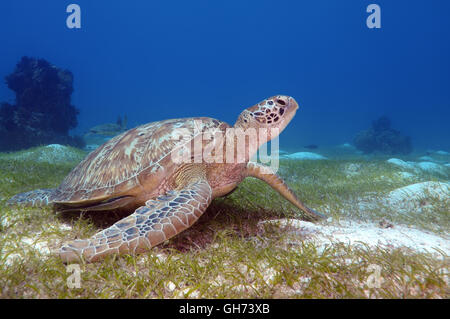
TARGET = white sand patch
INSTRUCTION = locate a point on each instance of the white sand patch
(6, 221)
(430, 167)
(356, 233)
(170, 286)
(403, 164)
(56, 147)
(269, 275)
(419, 196)
(425, 166)
(426, 158)
(36, 244)
(304, 156)
(186, 293)
(55, 153)
(65, 227)
(26, 244)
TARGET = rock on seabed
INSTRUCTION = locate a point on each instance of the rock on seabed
(53, 154)
(424, 166)
(419, 196)
(305, 156)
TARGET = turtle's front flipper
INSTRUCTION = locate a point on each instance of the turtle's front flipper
(266, 174)
(150, 225)
(38, 197)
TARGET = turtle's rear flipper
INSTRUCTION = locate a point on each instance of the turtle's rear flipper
(38, 197)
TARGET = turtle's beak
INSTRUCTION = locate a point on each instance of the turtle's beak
(291, 109)
(293, 103)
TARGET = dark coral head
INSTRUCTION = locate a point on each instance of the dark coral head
(381, 124)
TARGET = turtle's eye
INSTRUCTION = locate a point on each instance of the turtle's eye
(281, 102)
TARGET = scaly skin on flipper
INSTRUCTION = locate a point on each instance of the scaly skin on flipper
(38, 197)
(150, 225)
(266, 174)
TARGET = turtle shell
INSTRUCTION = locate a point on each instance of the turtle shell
(133, 162)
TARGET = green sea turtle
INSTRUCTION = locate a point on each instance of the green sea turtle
(136, 171)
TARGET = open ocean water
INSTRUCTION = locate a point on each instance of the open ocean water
(154, 60)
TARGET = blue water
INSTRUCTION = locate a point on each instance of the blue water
(160, 59)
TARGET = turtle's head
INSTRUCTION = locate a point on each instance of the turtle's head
(274, 114)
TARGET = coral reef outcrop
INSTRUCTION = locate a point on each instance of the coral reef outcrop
(383, 139)
(43, 113)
